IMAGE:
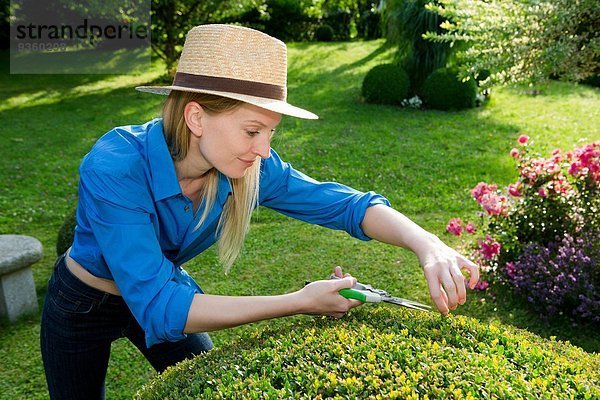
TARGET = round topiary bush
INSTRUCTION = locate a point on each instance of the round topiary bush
(443, 90)
(384, 352)
(385, 84)
(593, 80)
(324, 33)
(66, 232)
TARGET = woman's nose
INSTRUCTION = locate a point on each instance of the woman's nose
(262, 146)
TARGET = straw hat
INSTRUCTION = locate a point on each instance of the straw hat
(235, 62)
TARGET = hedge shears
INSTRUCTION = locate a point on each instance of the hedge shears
(368, 294)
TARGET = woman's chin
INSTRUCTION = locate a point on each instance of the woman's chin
(235, 174)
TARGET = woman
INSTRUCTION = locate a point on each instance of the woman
(153, 196)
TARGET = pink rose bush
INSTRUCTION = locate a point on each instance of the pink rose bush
(541, 234)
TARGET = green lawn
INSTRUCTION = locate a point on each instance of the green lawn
(424, 162)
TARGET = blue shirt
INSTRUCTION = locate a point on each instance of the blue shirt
(135, 226)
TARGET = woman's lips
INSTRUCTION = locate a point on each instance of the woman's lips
(247, 162)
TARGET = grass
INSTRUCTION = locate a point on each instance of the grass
(424, 162)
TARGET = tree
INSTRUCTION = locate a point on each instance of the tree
(523, 41)
(405, 23)
(172, 19)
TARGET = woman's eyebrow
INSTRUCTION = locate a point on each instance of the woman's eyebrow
(256, 122)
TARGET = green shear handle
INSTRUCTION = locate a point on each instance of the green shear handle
(362, 295)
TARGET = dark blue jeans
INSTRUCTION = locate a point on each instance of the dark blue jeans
(79, 323)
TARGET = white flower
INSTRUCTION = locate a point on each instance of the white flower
(413, 102)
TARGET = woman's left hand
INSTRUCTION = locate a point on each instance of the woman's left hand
(441, 264)
(442, 268)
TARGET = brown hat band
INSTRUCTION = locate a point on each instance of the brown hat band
(230, 85)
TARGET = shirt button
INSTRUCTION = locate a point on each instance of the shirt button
(186, 208)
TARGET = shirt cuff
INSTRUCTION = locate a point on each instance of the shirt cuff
(177, 309)
(370, 199)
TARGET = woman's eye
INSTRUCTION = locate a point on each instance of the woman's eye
(252, 133)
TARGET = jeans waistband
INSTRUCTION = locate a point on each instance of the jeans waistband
(67, 278)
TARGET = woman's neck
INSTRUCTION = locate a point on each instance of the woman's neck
(192, 177)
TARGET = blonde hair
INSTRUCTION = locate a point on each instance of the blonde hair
(235, 219)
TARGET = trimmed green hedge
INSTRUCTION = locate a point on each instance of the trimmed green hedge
(324, 33)
(385, 84)
(384, 352)
(443, 90)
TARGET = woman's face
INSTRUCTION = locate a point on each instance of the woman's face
(232, 141)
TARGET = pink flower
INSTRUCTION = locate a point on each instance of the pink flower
(523, 139)
(489, 247)
(557, 156)
(561, 186)
(455, 226)
(585, 161)
(514, 189)
(470, 228)
(481, 285)
(481, 189)
(510, 269)
(514, 153)
(552, 167)
(542, 192)
(574, 169)
(494, 204)
(539, 167)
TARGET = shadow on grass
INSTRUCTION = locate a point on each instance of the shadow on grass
(18, 84)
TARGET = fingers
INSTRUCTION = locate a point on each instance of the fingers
(337, 271)
(323, 297)
(345, 282)
(473, 272)
(438, 297)
(459, 283)
(450, 289)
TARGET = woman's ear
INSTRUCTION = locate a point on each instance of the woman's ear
(193, 114)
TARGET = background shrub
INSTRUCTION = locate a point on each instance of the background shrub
(368, 24)
(341, 22)
(66, 232)
(562, 276)
(593, 80)
(443, 90)
(385, 352)
(405, 22)
(542, 235)
(385, 84)
(287, 20)
(324, 33)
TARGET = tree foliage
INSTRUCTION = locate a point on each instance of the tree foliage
(523, 40)
(405, 23)
(172, 19)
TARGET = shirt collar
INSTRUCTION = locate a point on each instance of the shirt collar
(162, 168)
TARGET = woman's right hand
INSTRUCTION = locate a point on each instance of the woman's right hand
(213, 312)
(323, 297)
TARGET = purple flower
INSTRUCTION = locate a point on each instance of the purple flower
(562, 276)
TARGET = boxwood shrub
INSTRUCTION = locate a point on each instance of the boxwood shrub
(385, 84)
(324, 33)
(443, 90)
(384, 352)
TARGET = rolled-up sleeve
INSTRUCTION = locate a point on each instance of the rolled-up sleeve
(329, 204)
(119, 209)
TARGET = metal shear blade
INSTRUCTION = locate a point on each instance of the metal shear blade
(406, 303)
(388, 298)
